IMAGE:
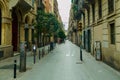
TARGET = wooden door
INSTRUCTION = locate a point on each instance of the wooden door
(14, 31)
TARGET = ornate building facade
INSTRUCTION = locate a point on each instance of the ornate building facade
(16, 25)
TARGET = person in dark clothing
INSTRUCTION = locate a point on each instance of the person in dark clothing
(51, 46)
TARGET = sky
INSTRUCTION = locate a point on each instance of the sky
(64, 8)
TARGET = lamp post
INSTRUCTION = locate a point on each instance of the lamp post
(34, 53)
(26, 34)
(23, 46)
(22, 57)
(80, 33)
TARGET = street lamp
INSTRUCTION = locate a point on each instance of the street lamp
(22, 57)
(23, 46)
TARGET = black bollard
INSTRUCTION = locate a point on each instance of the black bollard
(48, 49)
(81, 55)
(43, 52)
(34, 56)
(39, 54)
(15, 67)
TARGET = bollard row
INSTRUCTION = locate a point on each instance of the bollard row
(15, 69)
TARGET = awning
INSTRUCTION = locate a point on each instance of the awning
(24, 5)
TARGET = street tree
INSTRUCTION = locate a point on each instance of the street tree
(47, 24)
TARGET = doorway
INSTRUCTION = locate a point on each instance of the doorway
(89, 41)
(0, 25)
(84, 40)
(14, 30)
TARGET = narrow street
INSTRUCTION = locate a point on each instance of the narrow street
(63, 64)
(39, 40)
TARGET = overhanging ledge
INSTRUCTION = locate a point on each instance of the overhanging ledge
(21, 4)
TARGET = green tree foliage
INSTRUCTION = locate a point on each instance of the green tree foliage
(76, 12)
(41, 21)
(46, 22)
(61, 34)
(53, 24)
(49, 25)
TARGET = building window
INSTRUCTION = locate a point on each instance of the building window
(110, 6)
(33, 3)
(100, 8)
(0, 25)
(112, 33)
(88, 17)
(39, 2)
(84, 19)
(93, 12)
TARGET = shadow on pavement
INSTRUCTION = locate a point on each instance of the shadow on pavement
(10, 66)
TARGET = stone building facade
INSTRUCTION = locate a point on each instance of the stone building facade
(74, 31)
(100, 20)
(16, 25)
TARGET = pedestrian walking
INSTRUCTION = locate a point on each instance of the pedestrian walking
(34, 52)
(51, 45)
